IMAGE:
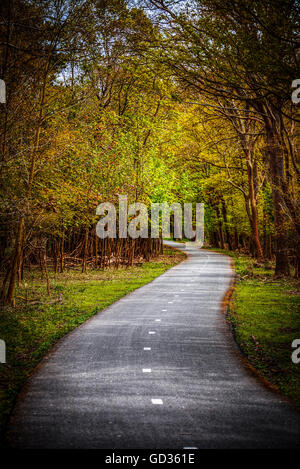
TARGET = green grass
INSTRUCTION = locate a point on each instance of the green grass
(37, 321)
(176, 240)
(265, 316)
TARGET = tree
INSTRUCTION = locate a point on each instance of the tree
(222, 49)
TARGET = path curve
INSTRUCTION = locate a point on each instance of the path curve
(96, 390)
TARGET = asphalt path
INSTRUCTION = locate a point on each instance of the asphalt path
(157, 369)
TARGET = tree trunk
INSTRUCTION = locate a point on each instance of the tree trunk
(85, 250)
(277, 175)
(224, 212)
(16, 261)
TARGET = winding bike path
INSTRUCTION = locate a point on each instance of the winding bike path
(157, 369)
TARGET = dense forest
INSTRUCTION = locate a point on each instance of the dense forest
(175, 101)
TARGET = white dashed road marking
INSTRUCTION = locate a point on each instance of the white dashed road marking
(157, 401)
(151, 332)
(147, 370)
(147, 348)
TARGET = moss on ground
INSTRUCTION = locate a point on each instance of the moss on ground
(265, 315)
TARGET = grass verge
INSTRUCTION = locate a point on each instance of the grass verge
(37, 321)
(264, 313)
